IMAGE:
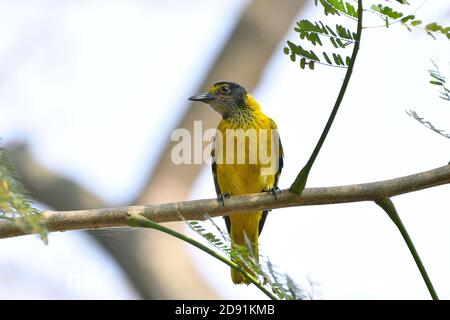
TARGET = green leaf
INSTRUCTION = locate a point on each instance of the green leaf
(312, 31)
(293, 47)
(286, 50)
(324, 28)
(327, 7)
(387, 11)
(15, 204)
(415, 23)
(331, 31)
(438, 79)
(302, 63)
(343, 7)
(327, 58)
(313, 56)
(313, 38)
(407, 18)
(343, 32)
(311, 65)
(338, 59)
(351, 10)
(307, 25)
(333, 41)
(435, 75)
(434, 27)
(242, 255)
(348, 61)
(339, 42)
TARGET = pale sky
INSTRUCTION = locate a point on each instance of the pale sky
(82, 81)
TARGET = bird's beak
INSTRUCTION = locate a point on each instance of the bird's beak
(203, 97)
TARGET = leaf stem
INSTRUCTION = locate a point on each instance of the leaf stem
(140, 221)
(388, 206)
(300, 182)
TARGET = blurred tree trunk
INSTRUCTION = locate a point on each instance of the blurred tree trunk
(61, 193)
(160, 267)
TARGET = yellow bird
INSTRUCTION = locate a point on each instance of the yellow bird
(247, 158)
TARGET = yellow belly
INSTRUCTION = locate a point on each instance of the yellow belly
(236, 180)
(236, 177)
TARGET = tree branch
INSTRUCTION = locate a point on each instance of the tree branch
(194, 210)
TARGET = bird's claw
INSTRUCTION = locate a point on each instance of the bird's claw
(221, 198)
(273, 191)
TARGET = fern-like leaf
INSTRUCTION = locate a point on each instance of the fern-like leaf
(259, 267)
(338, 7)
(312, 32)
(409, 21)
(427, 124)
(439, 80)
(14, 201)
(387, 11)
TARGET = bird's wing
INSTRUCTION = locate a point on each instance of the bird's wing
(216, 183)
(273, 126)
(214, 171)
(277, 175)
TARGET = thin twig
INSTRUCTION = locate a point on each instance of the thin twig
(300, 181)
(388, 206)
(321, 63)
(427, 124)
(139, 221)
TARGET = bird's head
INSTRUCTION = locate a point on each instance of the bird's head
(227, 98)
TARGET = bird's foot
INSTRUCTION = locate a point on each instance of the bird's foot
(273, 191)
(221, 198)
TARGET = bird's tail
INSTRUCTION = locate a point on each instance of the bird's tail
(245, 224)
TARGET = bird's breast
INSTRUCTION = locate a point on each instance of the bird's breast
(244, 158)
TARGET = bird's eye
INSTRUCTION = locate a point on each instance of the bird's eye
(225, 89)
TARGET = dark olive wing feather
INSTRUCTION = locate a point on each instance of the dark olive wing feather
(216, 185)
(277, 176)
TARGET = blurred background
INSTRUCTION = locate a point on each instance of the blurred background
(90, 92)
